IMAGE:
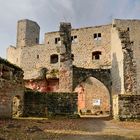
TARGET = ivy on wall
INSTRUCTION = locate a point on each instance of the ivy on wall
(47, 104)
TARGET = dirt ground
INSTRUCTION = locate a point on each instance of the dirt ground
(68, 129)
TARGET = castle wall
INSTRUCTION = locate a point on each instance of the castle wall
(126, 71)
(133, 27)
(65, 61)
(85, 44)
(117, 70)
(13, 55)
(11, 90)
(27, 33)
(34, 57)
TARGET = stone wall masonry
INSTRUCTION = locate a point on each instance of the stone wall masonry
(130, 83)
(37, 56)
(132, 29)
(129, 107)
(11, 87)
(13, 54)
(117, 69)
(81, 74)
(85, 45)
(65, 66)
(27, 33)
(48, 104)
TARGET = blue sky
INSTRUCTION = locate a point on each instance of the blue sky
(49, 13)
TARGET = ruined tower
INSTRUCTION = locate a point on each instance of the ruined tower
(27, 33)
(65, 70)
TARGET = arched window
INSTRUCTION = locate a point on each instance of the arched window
(54, 58)
(96, 55)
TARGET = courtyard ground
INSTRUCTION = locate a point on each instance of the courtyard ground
(68, 129)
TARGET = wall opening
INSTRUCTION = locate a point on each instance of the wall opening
(37, 40)
(57, 40)
(93, 98)
(53, 58)
(72, 57)
(74, 39)
(96, 55)
(97, 36)
(16, 106)
(37, 56)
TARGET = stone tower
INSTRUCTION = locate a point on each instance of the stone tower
(65, 70)
(27, 33)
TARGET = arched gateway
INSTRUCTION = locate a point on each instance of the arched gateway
(93, 97)
(94, 91)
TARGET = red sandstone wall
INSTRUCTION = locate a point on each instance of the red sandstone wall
(90, 91)
(50, 85)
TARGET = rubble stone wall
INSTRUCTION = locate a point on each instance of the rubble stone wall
(48, 104)
(129, 107)
(128, 33)
(11, 86)
(65, 66)
(36, 56)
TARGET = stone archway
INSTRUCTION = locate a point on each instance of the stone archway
(93, 98)
(16, 106)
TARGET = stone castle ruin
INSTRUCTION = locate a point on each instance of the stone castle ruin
(11, 90)
(100, 63)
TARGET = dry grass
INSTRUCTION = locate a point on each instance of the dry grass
(68, 129)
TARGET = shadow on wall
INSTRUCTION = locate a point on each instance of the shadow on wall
(116, 79)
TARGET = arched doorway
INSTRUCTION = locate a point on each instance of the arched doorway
(16, 106)
(93, 98)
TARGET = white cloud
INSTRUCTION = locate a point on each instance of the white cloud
(48, 13)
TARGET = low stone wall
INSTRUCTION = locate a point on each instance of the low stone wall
(38, 104)
(128, 107)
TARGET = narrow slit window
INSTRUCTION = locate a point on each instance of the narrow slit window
(37, 56)
(95, 36)
(37, 41)
(72, 57)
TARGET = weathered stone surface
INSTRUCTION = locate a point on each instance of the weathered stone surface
(117, 46)
(125, 57)
(32, 57)
(27, 33)
(129, 63)
(128, 107)
(43, 85)
(39, 73)
(11, 87)
(48, 104)
(66, 69)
